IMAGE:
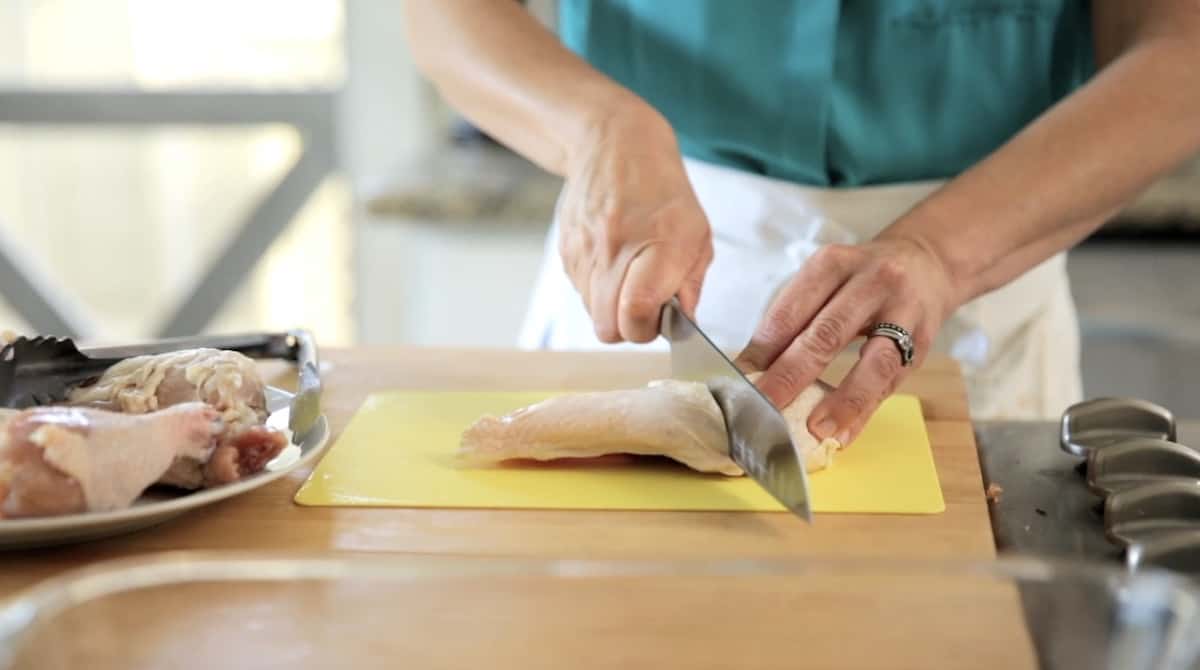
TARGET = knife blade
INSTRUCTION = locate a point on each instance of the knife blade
(759, 440)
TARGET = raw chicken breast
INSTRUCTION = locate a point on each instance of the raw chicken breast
(63, 460)
(667, 418)
(226, 380)
(680, 420)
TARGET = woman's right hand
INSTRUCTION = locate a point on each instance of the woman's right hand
(632, 233)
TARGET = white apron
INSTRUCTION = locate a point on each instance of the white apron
(1018, 346)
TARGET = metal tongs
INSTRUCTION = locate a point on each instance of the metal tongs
(43, 370)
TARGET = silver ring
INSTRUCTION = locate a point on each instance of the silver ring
(902, 338)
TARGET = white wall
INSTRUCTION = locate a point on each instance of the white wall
(127, 218)
(457, 282)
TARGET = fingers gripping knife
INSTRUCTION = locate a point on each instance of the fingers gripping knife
(43, 370)
(759, 440)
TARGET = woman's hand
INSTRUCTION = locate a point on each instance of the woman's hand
(839, 294)
(632, 233)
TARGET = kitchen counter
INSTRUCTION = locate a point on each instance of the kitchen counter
(266, 519)
(1045, 508)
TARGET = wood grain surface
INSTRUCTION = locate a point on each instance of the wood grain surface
(267, 519)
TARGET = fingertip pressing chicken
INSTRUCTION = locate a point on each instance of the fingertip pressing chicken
(680, 420)
(816, 453)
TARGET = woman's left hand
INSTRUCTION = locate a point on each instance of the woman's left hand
(841, 293)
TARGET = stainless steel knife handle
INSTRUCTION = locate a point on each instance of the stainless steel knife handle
(306, 405)
(307, 361)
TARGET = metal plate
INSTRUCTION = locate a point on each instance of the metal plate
(1046, 507)
(157, 507)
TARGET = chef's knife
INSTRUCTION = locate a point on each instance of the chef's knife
(759, 440)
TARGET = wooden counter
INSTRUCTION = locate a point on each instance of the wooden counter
(268, 519)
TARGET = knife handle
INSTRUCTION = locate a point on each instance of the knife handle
(304, 353)
(306, 404)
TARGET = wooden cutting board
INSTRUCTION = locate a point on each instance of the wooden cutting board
(398, 452)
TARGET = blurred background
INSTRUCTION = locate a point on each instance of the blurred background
(170, 167)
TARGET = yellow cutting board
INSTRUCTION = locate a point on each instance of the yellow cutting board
(398, 451)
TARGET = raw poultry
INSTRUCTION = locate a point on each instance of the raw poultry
(226, 380)
(189, 419)
(64, 460)
(679, 420)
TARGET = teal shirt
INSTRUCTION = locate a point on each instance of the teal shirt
(839, 92)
